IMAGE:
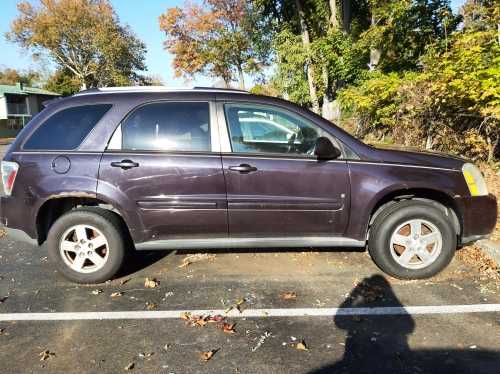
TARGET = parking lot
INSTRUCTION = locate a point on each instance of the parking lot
(263, 311)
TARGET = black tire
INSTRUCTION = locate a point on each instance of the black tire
(395, 215)
(110, 226)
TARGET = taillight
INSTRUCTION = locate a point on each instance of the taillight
(9, 172)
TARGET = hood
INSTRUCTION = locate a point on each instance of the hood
(420, 158)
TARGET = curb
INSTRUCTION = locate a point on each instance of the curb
(491, 248)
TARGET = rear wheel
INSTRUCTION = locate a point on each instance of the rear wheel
(412, 239)
(87, 245)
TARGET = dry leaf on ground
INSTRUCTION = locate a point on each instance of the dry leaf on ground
(207, 355)
(301, 346)
(151, 283)
(150, 305)
(130, 366)
(116, 294)
(228, 328)
(289, 295)
(96, 292)
(191, 259)
(45, 355)
(238, 305)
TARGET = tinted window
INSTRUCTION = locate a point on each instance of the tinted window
(262, 129)
(168, 127)
(66, 129)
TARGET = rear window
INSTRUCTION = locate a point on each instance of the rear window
(66, 129)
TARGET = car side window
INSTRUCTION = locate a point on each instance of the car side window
(168, 126)
(266, 129)
(66, 129)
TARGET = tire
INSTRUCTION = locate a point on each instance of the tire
(99, 226)
(397, 224)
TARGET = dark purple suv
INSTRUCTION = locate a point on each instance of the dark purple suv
(153, 168)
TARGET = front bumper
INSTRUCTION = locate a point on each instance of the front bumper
(478, 216)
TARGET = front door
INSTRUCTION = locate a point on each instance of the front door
(163, 174)
(275, 185)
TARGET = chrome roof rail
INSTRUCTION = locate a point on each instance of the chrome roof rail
(130, 89)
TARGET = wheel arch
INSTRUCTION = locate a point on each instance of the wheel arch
(56, 206)
(440, 199)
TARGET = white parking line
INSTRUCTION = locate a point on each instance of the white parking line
(254, 313)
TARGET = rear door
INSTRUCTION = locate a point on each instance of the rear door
(275, 186)
(163, 168)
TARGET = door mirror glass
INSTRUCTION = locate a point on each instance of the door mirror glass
(325, 150)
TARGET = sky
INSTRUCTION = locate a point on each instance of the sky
(140, 15)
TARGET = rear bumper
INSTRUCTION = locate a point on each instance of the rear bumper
(20, 236)
(15, 221)
(478, 216)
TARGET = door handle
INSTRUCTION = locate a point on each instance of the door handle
(125, 164)
(243, 168)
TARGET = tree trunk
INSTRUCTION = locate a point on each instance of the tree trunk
(374, 52)
(330, 109)
(309, 68)
(83, 87)
(346, 15)
(334, 21)
(241, 78)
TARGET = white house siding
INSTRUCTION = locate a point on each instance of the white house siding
(3, 108)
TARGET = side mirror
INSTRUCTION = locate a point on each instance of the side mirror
(325, 150)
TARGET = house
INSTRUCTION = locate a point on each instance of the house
(19, 103)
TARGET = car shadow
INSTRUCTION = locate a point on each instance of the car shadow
(139, 260)
(379, 344)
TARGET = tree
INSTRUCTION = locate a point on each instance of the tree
(12, 76)
(402, 29)
(63, 81)
(220, 38)
(83, 37)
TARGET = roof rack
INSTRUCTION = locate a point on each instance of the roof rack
(129, 89)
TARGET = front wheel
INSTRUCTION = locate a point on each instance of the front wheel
(87, 245)
(412, 240)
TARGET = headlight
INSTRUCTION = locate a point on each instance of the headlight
(475, 180)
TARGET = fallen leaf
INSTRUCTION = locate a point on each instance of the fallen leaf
(207, 355)
(116, 294)
(301, 346)
(130, 366)
(45, 355)
(289, 295)
(96, 292)
(166, 347)
(216, 318)
(151, 283)
(151, 305)
(186, 316)
(238, 305)
(197, 257)
(228, 328)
